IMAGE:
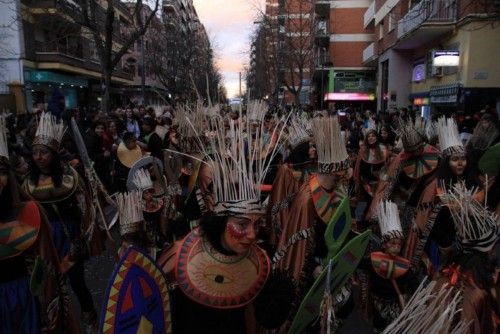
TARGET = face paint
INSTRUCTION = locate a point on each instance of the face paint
(236, 230)
(241, 232)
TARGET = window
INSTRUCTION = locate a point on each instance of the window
(381, 30)
(391, 22)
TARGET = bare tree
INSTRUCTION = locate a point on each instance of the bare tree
(101, 21)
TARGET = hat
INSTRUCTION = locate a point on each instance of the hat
(142, 180)
(130, 211)
(299, 131)
(449, 139)
(388, 220)
(412, 133)
(240, 160)
(256, 111)
(49, 132)
(330, 146)
(475, 225)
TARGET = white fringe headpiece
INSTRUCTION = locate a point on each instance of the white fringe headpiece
(475, 225)
(4, 147)
(430, 311)
(49, 131)
(412, 133)
(330, 145)
(299, 131)
(142, 179)
(256, 110)
(388, 220)
(130, 211)
(239, 165)
(449, 139)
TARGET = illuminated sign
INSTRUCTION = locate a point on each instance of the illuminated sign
(349, 97)
(446, 58)
(421, 101)
(418, 73)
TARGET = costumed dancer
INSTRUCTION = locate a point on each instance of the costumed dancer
(137, 298)
(153, 209)
(372, 158)
(61, 192)
(438, 234)
(218, 268)
(33, 292)
(301, 245)
(128, 153)
(389, 272)
(407, 176)
(472, 270)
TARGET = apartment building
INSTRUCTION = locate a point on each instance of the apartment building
(435, 56)
(340, 76)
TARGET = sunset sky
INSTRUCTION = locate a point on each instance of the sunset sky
(229, 25)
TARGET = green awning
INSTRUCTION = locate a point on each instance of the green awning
(34, 76)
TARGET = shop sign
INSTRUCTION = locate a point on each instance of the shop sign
(444, 99)
(446, 58)
(54, 78)
(349, 97)
(421, 101)
(354, 82)
(418, 73)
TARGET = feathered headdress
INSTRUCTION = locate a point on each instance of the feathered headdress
(299, 131)
(142, 180)
(475, 225)
(130, 211)
(240, 160)
(449, 139)
(430, 311)
(388, 220)
(4, 148)
(412, 133)
(256, 110)
(330, 146)
(49, 131)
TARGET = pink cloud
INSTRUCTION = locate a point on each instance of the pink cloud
(230, 23)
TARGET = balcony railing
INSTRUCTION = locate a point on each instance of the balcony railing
(369, 53)
(427, 11)
(369, 16)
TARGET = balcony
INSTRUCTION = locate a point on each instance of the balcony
(322, 34)
(369, 55)
(369, 16)
(322, 7)
(426, 21)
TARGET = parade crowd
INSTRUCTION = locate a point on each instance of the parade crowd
(250, 220)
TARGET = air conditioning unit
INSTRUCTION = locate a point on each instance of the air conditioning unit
(437, 71)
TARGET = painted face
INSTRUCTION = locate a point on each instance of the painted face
(147, 195)
(241, 232)
(313, 153)
(99, 130)
(457, 163)
(42, 156)
(393, 247)
(371, 138)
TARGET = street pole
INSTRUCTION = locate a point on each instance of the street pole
(143, 74)
(240, 84)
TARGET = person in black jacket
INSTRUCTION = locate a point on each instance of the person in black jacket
(96, 151)
(151, 139)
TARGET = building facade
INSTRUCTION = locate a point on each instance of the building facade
(341, 77)
(435, 56)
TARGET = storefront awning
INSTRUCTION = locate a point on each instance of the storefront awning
(445, 93)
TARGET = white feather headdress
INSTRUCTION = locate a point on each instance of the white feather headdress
(330, 145)
(256, 110)
(299, 131)
(130, 211)
(4, 148)
(475, 225)
(49, 131)
(412, 133)
(388, 220)
(449, 139)
(430, 311)
(142, 179)
(240, 160)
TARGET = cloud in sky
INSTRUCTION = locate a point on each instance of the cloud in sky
(229, 25)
